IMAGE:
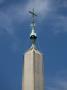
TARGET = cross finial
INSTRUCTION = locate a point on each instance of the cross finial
(33, 35)
(33, 14)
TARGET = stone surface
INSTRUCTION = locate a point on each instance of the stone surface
(33, 70)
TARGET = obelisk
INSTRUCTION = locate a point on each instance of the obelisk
(33, 64)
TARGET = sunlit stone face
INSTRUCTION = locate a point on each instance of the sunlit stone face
(33, 70)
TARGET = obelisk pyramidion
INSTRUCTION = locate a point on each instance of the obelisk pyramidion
(33, 64)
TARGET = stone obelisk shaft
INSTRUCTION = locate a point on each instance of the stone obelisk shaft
(33, 70)
(33, 64)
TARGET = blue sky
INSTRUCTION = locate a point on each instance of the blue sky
(51, 28)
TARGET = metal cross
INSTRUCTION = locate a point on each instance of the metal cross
(33, 15)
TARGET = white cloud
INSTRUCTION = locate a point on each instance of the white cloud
(19, 13)
(51, 10)
(40, 6)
